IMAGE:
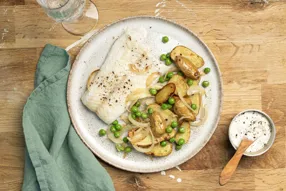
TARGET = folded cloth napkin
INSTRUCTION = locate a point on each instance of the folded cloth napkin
(56, 158)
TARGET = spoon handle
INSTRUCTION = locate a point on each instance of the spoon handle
(231, 166)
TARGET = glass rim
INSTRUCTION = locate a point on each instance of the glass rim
(43, 3)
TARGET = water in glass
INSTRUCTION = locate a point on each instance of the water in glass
(63, 10)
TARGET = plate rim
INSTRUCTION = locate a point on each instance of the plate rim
(71, 113)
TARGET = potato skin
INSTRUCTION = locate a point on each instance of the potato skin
(186, 135)
(194, 58)
(181, 85)
(187, 68)
(148, 140)
(158, 124)
(164, 94)
(167, 114)
(159, 151)
(182, 110)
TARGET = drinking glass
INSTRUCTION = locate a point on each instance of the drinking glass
(76, 16)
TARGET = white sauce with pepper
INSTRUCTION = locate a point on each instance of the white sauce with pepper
(253, 126)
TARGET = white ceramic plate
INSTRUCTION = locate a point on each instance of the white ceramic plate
(87, 124)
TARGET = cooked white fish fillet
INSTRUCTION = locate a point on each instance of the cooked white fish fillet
(125, 69)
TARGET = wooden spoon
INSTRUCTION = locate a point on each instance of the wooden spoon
(231, 166)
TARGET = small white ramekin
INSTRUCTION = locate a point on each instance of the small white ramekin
(270, 142)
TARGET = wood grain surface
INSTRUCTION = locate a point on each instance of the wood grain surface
(249, 42)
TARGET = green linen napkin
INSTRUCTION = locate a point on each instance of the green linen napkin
(56, 158)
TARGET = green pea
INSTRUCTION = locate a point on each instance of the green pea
(125, 140)
(207, 70)
(168, 55)
(165, 39)
(174, 124)
(102, 132)
(133, 116)
(180, 73)
(171, 100)
(169, 106)
(115, 122)
(153, 91)
(137, 104)
(168, 62)
(144, 116)
(194, 106)
(205, 84)
(181, 141)
(134, 109)
(161, 79)
(170, 74)
(163, 143)
(164, 106)
(190, 82)
(112, 129)
(169, 129)
(150, 110)
(118, 127)
(116, 134)
(128, 149)
(178, 147)
(138, 114)
(172, 140)
(181, 130)
(163, 57)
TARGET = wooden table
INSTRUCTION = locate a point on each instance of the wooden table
(249, 42)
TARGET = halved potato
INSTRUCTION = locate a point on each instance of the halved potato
(91, 78)
(186, 135)
(160, 151)
(196, 99)
(164, 94)
(194, 58)
(148, 140)
(167, 114)
(196, 82)
(181, 85)
(182, 110)
(158, 124)
(187, 68)
(135, 136)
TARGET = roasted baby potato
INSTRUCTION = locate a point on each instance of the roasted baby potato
(148, 140)
(186, 135)
(167, 114)
(182, 110)
(187, 67)
(195, 59)
(158, 124)
(135, 137)
(159, 151)
(188, 99)
(91, 78)
(196, 99)
(181, 85)
(164, 94)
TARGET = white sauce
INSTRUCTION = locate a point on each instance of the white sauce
(253, 126)
(179, 180)
(172, 176)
